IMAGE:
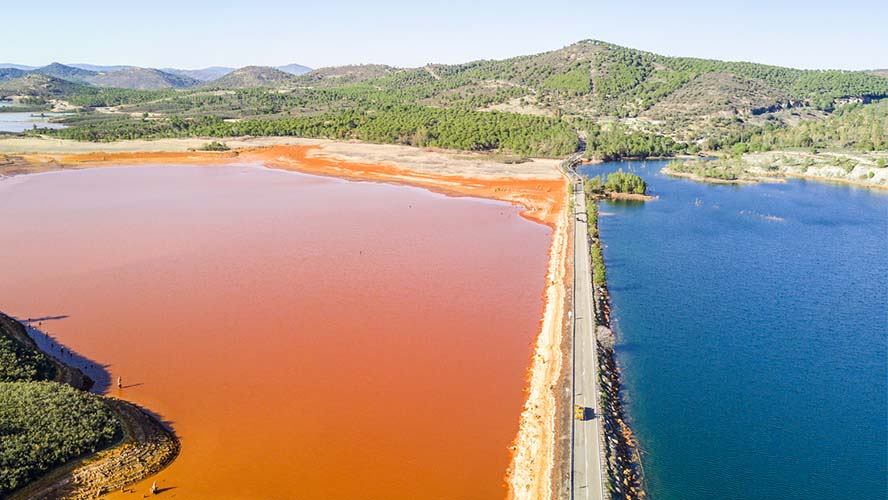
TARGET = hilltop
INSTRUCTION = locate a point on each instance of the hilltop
(342, 75)
(142, 79)
(58, 70)
(251, 76)
(294, 69)
(203, 75)
(39, 86)
(11, 73)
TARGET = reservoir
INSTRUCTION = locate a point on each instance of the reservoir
(306, 337)
(752, 333)
(21, 121)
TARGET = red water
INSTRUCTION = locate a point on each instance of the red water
(306, 337)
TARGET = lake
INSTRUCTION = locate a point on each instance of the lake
(306, 337)
(752, 326)
(20, 122)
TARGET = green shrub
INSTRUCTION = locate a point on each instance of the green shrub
(599, 272)
(45, 424)
(21, 362)
(215, 146)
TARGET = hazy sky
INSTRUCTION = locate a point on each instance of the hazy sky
(849, 34)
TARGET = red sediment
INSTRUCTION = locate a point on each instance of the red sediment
(343, 346)
(543, 199)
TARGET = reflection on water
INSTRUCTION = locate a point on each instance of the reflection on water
(307, 337)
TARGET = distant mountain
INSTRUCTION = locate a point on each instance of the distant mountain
(37, 85)
(251, 76)
(10, 73)
(100, 69)
(204, 75)
(880, 72)
(294, 69)
(85, 73)
(142, 79)
(17, 66)
(59, 70)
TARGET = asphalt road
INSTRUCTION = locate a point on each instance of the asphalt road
(587, 477)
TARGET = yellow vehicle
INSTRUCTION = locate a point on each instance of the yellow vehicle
(579, 412)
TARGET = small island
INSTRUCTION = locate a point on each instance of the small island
(617, 185)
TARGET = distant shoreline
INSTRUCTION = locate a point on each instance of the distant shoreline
(836, 166)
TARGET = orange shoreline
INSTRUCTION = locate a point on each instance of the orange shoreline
(542, 199)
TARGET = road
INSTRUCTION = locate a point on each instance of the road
(586, 475)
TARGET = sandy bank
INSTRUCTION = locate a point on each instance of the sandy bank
(630, 196)
(713, 180)
(533, 465)
(534, 185)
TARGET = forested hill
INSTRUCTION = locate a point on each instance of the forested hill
(598, 79)
(629, 101)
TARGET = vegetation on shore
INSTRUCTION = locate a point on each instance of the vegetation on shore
(20, 362)
(45, 424)
(867, 169)
(722, 169)
(410, 125)
(615, 141)
(599, 272)
(214, 146)
(859, 127)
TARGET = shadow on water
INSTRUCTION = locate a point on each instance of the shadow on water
(628, 287)
(50, 345)
(97, 372)
(626, 203)
(167, 424)
(47, 318)
(628, 347)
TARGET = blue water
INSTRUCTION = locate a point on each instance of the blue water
(752, 327)
(20, 122)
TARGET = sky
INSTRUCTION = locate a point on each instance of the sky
(849, 34)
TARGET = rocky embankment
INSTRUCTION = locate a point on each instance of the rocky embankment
(623, 459)
(145, 447)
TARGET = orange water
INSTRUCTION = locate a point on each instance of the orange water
(306, 337)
